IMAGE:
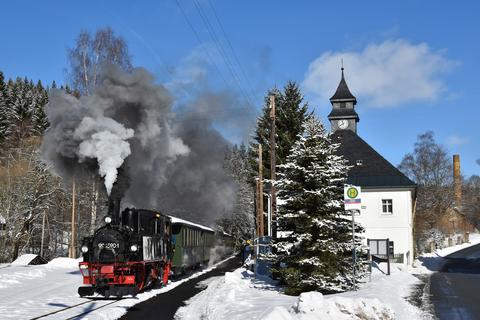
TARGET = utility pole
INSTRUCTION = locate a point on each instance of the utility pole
(72, 241)
(43, 233)
(257, 205)
(273, 163)
(260, 191)
(354, 258)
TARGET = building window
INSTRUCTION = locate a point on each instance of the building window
(359, 162)
(343, 105)
(387, 206)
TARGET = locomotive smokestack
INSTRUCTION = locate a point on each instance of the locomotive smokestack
(118, 192)
(114, 209)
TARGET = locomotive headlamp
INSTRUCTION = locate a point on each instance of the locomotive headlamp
(84, 249)
(133, 248)
(108, 219)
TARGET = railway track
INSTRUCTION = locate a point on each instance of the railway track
(70, 312)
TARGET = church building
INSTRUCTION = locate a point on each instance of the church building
(388, 196)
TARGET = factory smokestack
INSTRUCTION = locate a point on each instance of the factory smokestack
(457, 183)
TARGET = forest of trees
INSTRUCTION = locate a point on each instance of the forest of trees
(35, 204)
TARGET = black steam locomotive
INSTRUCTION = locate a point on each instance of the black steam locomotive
(132, 251)
(136, 248)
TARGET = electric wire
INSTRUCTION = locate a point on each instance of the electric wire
(221, 50)
(242, 70)
(209, 56)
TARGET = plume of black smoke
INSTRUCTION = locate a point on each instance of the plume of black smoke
(174, 162)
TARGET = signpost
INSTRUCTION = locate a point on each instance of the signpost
(353, 203)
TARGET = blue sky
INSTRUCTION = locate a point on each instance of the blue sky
(413, 65)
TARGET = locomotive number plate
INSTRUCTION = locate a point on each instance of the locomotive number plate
(109, 245)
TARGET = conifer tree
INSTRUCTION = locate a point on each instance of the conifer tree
(315, 235)
(291, 112)
(40, 120)
(3, 108)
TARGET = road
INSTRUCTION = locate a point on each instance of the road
(454, 291)
(165, 305)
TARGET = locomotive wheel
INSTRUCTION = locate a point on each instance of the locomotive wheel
(140, 277)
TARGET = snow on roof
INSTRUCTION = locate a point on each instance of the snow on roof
(24, 259)
(178, 220)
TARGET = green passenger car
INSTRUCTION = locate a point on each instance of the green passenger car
(193, 245)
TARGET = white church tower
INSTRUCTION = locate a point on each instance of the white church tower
(388, 196)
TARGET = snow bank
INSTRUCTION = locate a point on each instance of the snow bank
(239, 295)
(313, 305)
(24, 259)
(63, 262)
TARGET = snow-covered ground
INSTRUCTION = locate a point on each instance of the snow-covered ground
(31, 291)
(239, 295)
(431, 262)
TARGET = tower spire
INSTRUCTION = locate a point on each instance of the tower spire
(343, 115)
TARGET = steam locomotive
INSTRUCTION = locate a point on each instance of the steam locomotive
(137, 248)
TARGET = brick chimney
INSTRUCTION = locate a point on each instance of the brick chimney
(457, 184)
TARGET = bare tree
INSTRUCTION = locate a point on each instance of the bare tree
(90, 53)
(28, 190)
(471, 199)
(431, 168)
(86, 59)
(240, 222)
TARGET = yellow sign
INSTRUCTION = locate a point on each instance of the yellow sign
(352, 193)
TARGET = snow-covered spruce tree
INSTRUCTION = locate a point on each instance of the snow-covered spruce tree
(314, 245)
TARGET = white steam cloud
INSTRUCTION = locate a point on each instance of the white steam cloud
(105, 140)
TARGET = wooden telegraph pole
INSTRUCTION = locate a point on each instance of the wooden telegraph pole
(72, 241)
(260, 192)
(273, 162)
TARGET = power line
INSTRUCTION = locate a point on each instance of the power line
(221, 50)
(200, 41)
(229, 44)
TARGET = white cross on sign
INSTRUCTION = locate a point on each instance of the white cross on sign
(352, 197)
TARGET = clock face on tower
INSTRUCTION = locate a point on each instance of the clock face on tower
(343, 124)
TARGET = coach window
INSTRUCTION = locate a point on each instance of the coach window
(387, 206)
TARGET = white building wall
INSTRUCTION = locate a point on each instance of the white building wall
(398, 226)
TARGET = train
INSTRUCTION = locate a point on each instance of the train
(137, 248)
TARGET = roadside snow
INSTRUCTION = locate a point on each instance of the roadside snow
(239, 295)
(431, 262)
